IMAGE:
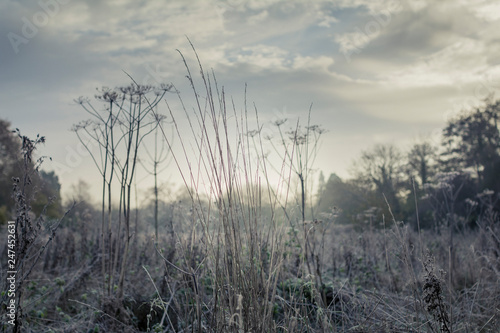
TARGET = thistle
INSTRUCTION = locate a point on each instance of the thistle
(433, 294)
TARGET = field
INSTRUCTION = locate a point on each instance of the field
(237, 252)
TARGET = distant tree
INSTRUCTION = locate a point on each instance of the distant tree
(421, 166)
(9, 158)
(81, 192)
(9, 145)
(84, 212)
(421, 162)
(321, 189)
(381, 170)
(48, 195)
(45, 189)
(472, 140)
(343, 196)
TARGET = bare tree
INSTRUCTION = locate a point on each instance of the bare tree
(380, 169)
(420, 161)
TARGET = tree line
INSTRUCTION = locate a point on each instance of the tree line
(456, 179)
(45, 187)
(428, 181)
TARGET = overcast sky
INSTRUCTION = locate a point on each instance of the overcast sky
(375, 71)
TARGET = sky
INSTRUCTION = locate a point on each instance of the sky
(390, 72)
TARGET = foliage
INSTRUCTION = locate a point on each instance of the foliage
(421, 162)
(416, 185)
(472, 140)
(45, 187)
(9, 159)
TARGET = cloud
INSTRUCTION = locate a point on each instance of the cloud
(460, 63)
(488, 10)
(272, 59)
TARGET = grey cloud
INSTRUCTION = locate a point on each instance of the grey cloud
(405, 35)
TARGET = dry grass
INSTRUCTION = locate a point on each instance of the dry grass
(369, 286)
